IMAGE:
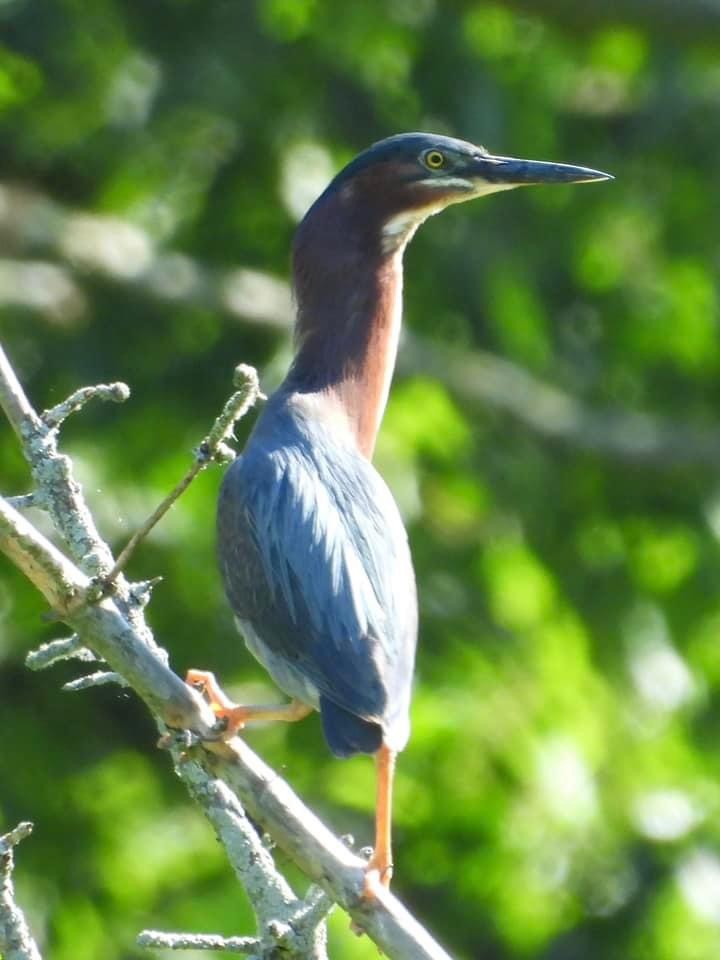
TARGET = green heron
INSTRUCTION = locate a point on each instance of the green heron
(312, 548)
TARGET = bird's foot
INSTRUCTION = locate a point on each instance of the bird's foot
(377, 878)
(231, 718)
(378, 875)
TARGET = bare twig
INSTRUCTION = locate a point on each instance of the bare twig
(196, 941)
(98, 679)
(68, 648)
(13, 837)
(57, 489)
(212, 448)
(16, 941)
(113, 392)
(315, 907)
(13, 400)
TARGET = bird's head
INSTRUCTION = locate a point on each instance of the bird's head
(402, 180)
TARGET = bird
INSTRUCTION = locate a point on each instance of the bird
(312, 549)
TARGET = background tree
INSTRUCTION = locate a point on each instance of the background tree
(551, 438)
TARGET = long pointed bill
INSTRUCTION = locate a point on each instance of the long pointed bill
(516, 173)
(482, 174)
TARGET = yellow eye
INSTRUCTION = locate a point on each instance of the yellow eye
(434, 159)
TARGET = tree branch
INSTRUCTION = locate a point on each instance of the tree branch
(108, 392)
(215, 772)
(103, 626)
(283, 919)
(67, 648)
(157, 940)
(16, 941)
(57, 490)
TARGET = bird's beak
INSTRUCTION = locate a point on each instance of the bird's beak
(505, 172)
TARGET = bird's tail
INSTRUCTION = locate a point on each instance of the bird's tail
(346, 733)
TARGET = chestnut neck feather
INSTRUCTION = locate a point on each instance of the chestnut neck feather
(348, 290)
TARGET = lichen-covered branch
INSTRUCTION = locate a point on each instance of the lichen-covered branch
(112, 392)
(102, 626)
(57, 490)
(218, 774)
(16, 941)
(66, 648)
(157, 940)
(283, 920)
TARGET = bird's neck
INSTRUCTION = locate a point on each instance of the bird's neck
(348, 288)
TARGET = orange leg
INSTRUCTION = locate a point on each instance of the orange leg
(380, 866)
(235, 716)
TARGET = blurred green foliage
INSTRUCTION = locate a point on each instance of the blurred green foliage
(560, 795)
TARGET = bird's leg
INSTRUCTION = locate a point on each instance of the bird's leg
(380, 866)
(232, 714)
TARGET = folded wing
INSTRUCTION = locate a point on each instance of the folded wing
(315, 559)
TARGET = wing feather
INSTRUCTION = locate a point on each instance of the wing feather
(315, 558)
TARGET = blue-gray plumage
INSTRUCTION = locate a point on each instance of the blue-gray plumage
(312, 548)
(317, 569)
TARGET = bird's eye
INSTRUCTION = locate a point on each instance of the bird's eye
(434, 159)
